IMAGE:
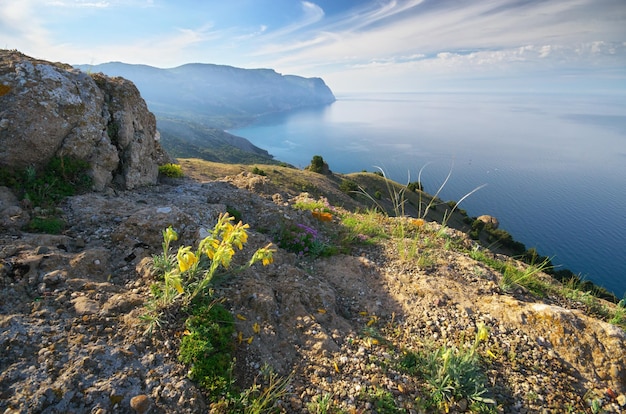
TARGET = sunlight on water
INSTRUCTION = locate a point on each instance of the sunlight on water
(554, 165)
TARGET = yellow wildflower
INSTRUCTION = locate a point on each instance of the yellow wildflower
(256, 328)
(169, 235)
(173, 280)
(224, 254)
(209, 245)
(265, 255)
(483, 332)
(238, 235)
(186, 258)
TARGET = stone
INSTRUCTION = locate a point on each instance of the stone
(85, 306)
(489, 221)
(140, 403)
(12, 215)
(52, 110)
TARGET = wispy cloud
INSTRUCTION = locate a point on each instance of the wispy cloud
(406, 39)
(80, 3)
(19, 24)
(510, 35)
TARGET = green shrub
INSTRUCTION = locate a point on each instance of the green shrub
(207, 348)
(317, 164)
(303, 241)
(477, 228)
(60, 178)
(48, 225)
(415, 186)
(234, 213)
(349, 187)
(171, 170)
(258, 171)
(452, 374)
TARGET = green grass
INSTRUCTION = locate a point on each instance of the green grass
(46, 188)
(450, 375)
(46, 224)
(364, 227)
(321, 404)
(171, 170)
(513, 276)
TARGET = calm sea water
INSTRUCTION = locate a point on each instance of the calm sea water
(554, 165)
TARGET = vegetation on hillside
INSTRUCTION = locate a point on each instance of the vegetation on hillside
(451, 376)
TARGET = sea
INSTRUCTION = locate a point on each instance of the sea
(554, 165)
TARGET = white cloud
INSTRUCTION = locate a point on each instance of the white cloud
(80, 3)
(21, 28)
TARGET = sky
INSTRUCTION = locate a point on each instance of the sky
(354, 45)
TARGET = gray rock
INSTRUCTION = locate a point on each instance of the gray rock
(50, 109)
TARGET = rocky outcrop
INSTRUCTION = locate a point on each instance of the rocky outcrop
(50, 109)
(489, 221)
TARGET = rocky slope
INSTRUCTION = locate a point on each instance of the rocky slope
(72, 340)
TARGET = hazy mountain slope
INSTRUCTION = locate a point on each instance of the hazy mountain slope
(216, 95)
(193, 103)
(189, 139)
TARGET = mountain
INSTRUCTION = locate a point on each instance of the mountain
(217, 95)
(197, 98)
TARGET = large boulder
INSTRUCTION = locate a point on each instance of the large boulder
(51, 109)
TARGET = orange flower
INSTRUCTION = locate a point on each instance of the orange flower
(418, 222)
(322, 216)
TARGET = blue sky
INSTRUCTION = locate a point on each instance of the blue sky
(364, 45)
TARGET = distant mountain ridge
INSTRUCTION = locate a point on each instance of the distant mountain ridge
(215, 97)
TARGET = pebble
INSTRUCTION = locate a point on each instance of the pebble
(140, 403)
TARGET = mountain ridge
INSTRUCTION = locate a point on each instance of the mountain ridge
(195, 103)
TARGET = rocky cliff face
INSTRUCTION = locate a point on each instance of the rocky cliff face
(50, 109)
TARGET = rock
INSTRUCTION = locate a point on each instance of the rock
(140, 403)
(489, 221)
(50, 109)
(85, 306)
(12, 216)
(122, 303)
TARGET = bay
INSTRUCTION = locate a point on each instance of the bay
(554, 165)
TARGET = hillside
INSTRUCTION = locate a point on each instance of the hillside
(381, 314)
